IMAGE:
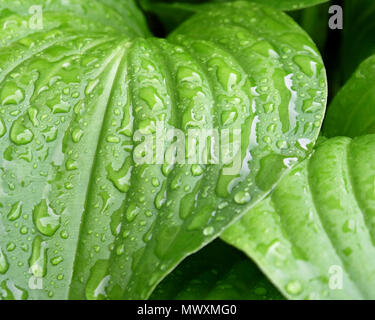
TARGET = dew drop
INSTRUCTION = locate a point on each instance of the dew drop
(91, 86)
(196, 170)
(15, 211)
(208, 231)
(11, 246)
(11, 94)
(70, 165)
(46, 221)
(161, 196)
(38, 259)
(60, 277)
(242, 197)
(61, 108)
(24, 230)
(98, 281)
(282, 144)
(176, 183)
(4, 265)
(150, 96)
(228, 117)
(64, 234)
(113, 139)
(50, 134)
(3, 129)
(120, 249)
(304, 143)
(222, 205)
(294, 287)
(19, 134)
(166, 168)
(148, 235)
(56, 260)
(155, 182)
(121, 178)
(77, 135)
(132, 212)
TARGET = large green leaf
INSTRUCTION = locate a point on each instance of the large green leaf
(314, 237)
(62, 96)
(217, 272)
(351, 112)
(234, 59)
(78, 216)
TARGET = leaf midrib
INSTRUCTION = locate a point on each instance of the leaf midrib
(118, 59)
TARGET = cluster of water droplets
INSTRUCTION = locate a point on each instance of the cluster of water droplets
(69, 110)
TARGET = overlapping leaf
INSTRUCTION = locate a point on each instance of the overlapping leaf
(80, 219)
(305, 252)
(288, 5)
(174, 12)
(358, 35)
(351, 113)
(314, 237)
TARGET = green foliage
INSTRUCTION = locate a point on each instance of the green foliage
(83, 92)
(358, 35)
(351, 112)
(73, 94)
(174, 12)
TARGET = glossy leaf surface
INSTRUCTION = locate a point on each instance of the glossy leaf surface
(228, 60)
(314, 237)
(172, 13)
(79, 218)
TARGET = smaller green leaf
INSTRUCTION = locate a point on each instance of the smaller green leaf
(351, 113)
(217, 272)
(314, 237)
(287, 5)
(358, 35)
(172, 13)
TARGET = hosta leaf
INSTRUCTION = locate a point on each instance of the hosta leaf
(62, 96)
(174, 12)
(285, 5)
(234, 59)
(358, 35)
(217, 272)
(80, 218)
(314, 237)
(351, 112)
(288, 5)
